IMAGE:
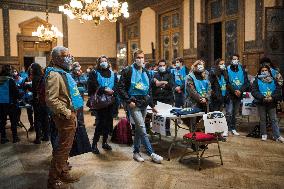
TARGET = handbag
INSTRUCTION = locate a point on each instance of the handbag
(101, 101)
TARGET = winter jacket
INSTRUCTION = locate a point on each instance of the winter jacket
(214, 76)
(276, 95)
(166, 93)
(124, 86)
(193, 97)
(93, 84)
(244, 88)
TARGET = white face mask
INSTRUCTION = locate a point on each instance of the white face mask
(235, 62)
(140, 63)
(200, 68)
(178, 65)
(162, 69)
(222, 66)
(104, 65)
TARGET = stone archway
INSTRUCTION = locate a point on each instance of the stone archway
(30, 46)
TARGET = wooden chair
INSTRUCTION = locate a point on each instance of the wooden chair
(215, 124)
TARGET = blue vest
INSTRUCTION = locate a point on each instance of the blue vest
(266, 89)
(139, 83)
(76, 99)
(222, 83)
(19, 81)
(152, 73)
(201, 86)
(236, 78)
(106, 82)
(5, 93)
(23, 75)
(179, 75)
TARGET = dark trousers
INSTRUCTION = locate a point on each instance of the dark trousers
(66, 132)
(179, 99)
(41, 121)
(104, 124)
(8, 110)
(80, 117)
(216, 106)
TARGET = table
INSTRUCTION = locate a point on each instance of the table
(175, 118)
(20, 122)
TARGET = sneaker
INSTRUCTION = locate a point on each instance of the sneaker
(263, 137)
(280, 139)
(235, 133)
(225, 134)
(156, 158)
(106, 146)
(137, 157)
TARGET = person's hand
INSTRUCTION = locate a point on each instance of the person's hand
(237, 93)
(165, 82)
(203, 100)
(178, 90)
(109, 91)
(267, 99)
(154, 110)
(132, 105)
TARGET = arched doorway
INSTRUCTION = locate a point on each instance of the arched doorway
(30, 48)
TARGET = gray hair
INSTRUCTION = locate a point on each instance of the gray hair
(56, 51)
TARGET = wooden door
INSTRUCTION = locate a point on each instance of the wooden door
(274, 35)
(170, 35)
(203, 42)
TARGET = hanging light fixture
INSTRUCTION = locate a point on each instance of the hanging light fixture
(47, 33)
(96, 10)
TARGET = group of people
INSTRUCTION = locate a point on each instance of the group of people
(58, 90)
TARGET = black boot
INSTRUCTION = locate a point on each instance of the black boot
(95, 149)
(37, 141)
(16, 139)
(106, 146)
(4, 140)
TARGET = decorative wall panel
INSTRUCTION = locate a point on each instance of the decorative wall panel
(231, 38)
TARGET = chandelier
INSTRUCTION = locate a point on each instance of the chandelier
(96, 10)
(47, 33)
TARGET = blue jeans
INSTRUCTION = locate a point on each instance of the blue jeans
(232, 109)
(271, 112)
(138, 115)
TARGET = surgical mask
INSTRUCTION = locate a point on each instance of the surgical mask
(264, 74)
(104, 65)
(67, 63)
(235, 62)
(200, 68)
(140, 63)
(177, 65)
(222, 66)
(162, 69)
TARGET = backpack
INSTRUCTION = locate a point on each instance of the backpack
(122, 133)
